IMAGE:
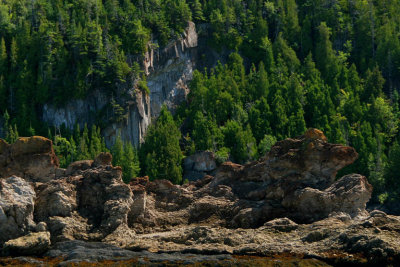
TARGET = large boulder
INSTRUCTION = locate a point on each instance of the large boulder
(89, 203)
(30, 244)
(16, 208)
(201, 162)
(31, 158)
(56, 198)
(349, 194)
(199, 165)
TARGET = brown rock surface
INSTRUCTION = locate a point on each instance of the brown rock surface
(287, 202)
(30, 244)
(88, 206)
(31, 158)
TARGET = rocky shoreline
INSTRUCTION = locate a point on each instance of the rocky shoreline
(287, 208)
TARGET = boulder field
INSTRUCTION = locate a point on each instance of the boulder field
(287, 204)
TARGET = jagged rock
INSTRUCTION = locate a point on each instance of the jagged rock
(89, 205)
(295, 180)
(281, 204)
(16, 208)
(349, 195)
(169, 70)
(30, 244)
(31, 158)
(56, 198)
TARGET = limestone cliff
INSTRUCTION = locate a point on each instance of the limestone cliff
(168, 70)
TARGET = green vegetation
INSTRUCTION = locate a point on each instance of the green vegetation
(126, 156)
(333, 65)
(161, 154)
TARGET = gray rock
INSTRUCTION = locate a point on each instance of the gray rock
(170, 69)
(200, 162)
(16, 208)
(78, 166)
(349, 195)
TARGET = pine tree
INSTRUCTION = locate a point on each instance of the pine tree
(117, 151)
(130, 162)
(392, 170)
(161, 155)
(197, 10)
(95, 142)
(324, 54)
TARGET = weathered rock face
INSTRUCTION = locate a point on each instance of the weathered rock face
(133, 129)
(295, 180)
(75, 111)
(349, 194)
(199, 165)
(88, 205)
(169, 70)
(30, 244)
(32, 158)
(16, 208)
(256, 209)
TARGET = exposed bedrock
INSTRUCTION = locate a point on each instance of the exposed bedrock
(170, 69)
(287, 202)
(31, 158)
(16, 208)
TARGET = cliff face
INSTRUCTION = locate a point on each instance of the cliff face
(134, 127)
(168, 71)
(75, 111)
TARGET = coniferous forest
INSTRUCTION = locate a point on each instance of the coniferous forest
(293, 64)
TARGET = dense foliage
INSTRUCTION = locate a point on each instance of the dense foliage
(161, 154)
(333, 65)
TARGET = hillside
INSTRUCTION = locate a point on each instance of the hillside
(236, 74)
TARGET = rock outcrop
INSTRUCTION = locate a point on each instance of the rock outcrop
(199, 165)
(88, 205)
(287, 203)
(170, 69)
(30, 244)
(16, 208)
(138, 118)
(31, 158)
(75, 111)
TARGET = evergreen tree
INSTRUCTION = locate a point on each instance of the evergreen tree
(161, 155)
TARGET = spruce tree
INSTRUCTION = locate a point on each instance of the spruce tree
(161, 155)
